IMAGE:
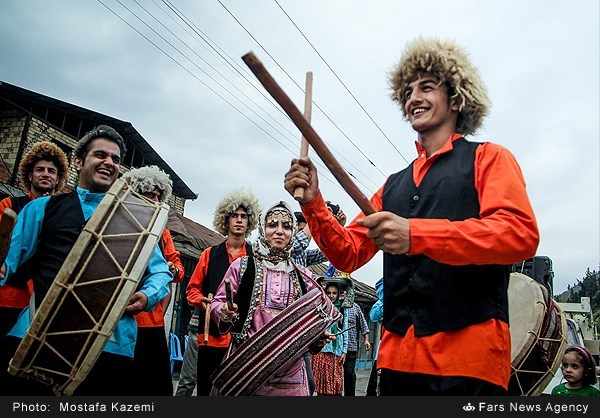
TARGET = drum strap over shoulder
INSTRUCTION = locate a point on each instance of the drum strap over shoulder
(246, 298)
(19, 203)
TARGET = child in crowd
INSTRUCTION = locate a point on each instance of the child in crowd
(579, 371)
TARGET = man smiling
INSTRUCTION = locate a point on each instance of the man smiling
(47, 229)
(449, 224)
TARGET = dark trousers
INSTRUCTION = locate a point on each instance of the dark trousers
(209, 360)
(110, 376)
(152, 363)
(309, 374)
(8, 319)
(412, 384)
(350, 374)
(373, 379)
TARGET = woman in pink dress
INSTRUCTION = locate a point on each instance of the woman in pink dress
(262, 286)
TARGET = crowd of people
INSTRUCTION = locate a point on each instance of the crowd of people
(457, 214)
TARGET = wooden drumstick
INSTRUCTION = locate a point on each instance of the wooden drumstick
(207, 317)
(299, 192)
(309, 133)
(7, 223)
(229, 294)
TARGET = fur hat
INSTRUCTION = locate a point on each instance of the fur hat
(237, 198)
(451, 65)
(48, 151)
(146, 179)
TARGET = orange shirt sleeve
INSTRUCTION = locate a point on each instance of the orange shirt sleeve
(172, 255)
(5, 203)
(506, 232)
(194, 287)
(347, 248)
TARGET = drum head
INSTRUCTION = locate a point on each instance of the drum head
(526, 310)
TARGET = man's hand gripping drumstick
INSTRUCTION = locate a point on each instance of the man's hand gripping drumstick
(228, 311)
(388, 231)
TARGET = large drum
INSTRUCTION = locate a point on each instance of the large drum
(91, 290)
(538, 332)
(281, 341)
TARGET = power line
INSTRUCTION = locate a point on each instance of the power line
(195, 76)
(229, 61)
(301, 89)
(340, 80)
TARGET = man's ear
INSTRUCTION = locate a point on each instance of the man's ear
(454, 104)
(78, 163)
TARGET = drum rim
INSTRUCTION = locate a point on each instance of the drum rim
(533, 339)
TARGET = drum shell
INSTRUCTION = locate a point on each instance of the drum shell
(275, 345)
(91, 290)
(538, 331)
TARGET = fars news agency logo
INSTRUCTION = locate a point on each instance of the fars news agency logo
(468, 407)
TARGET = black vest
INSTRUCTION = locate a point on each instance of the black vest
(218, 263)
(419, 291)
(18, 203)
(62, 224)
(243, 296)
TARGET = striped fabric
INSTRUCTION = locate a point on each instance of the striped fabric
(280, 341)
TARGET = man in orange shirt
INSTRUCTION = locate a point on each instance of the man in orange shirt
(449, 224)
(235, 217)
(43, 171)
(151, 359)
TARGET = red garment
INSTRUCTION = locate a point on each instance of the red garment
(506, 233)
(156, 318)
(10, 296)
(328, 372)
(195, 295)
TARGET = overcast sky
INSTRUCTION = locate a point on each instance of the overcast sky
(174, 70)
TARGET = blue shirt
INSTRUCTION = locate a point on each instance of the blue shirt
(338, 346)
(356, 322)
(155, 282)
(376, 313)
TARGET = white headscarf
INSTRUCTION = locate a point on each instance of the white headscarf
(273, 258)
